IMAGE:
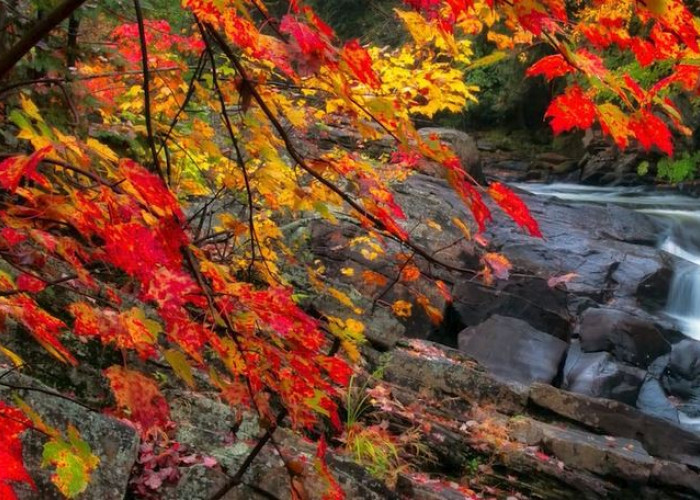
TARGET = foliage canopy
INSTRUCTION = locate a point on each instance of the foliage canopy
(123, 141)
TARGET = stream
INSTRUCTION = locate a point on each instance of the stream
(680, 236)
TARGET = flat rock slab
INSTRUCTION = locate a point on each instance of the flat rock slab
(513, 350)
(420, 370)
(115, 443)
(606, 456)
(659, 437)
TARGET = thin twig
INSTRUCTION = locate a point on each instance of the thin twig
(48, 392)
(239, 156)
(146, 90)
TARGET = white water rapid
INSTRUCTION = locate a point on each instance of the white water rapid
(682, 238)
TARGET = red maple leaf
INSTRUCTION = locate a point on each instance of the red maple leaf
(13, 423)
(514, 207)
(651, 131)
(14, 168)
(360, 63)
(138, 399)
(550, 67)
(573, 109)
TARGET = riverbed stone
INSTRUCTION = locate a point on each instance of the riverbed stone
(599, 375)
(628, 338)
(682, 375)
(513, 350)
(681, 379)
(653, 400)
(474, 303)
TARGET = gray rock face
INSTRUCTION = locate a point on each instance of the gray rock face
(618, 457)
(626, 337)
(511, 349)
(463, 145)
(549, 313)
(598, 375)
(457, 377)
(659, 437)
(115, 443)
(682, 376)
(611, 249)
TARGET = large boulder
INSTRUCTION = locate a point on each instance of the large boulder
(599, 375)
(462, 144)
(629, 338)
(681, 378)
(611, 250)
(511, 349)
(473, 303)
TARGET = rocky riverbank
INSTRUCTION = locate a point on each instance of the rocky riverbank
(565, 380)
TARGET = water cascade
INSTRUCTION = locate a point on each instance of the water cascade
(682, 239)
(683, 302)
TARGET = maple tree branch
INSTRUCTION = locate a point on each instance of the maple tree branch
(48, 392)
(299, 159)
(237, 478)
(393, 283)
(190, 92)
(239, 155)
(38, 31)
(86, 173)
(40, 81)
(146, 90)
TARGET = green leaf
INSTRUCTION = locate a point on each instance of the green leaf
(73, 460)
(178, 362)
(643, 168)
(488, 60)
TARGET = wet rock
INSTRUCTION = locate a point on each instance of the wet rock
(654, 401)
(112, 441)
(513, 350)
(434, 370)
(598, 375)
(619, 458)
(652, 291)
(609, 248)
(626, 337)
(474, 303)
(608, 167)
(682, 376)
(659, 437)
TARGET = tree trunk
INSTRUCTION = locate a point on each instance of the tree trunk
(72, 42)
(52, 19)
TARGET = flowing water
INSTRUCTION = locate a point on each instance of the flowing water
(681, 238)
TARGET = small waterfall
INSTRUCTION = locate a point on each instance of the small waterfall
(682, 240)
(684, 296)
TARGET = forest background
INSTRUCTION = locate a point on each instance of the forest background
(154, 157)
